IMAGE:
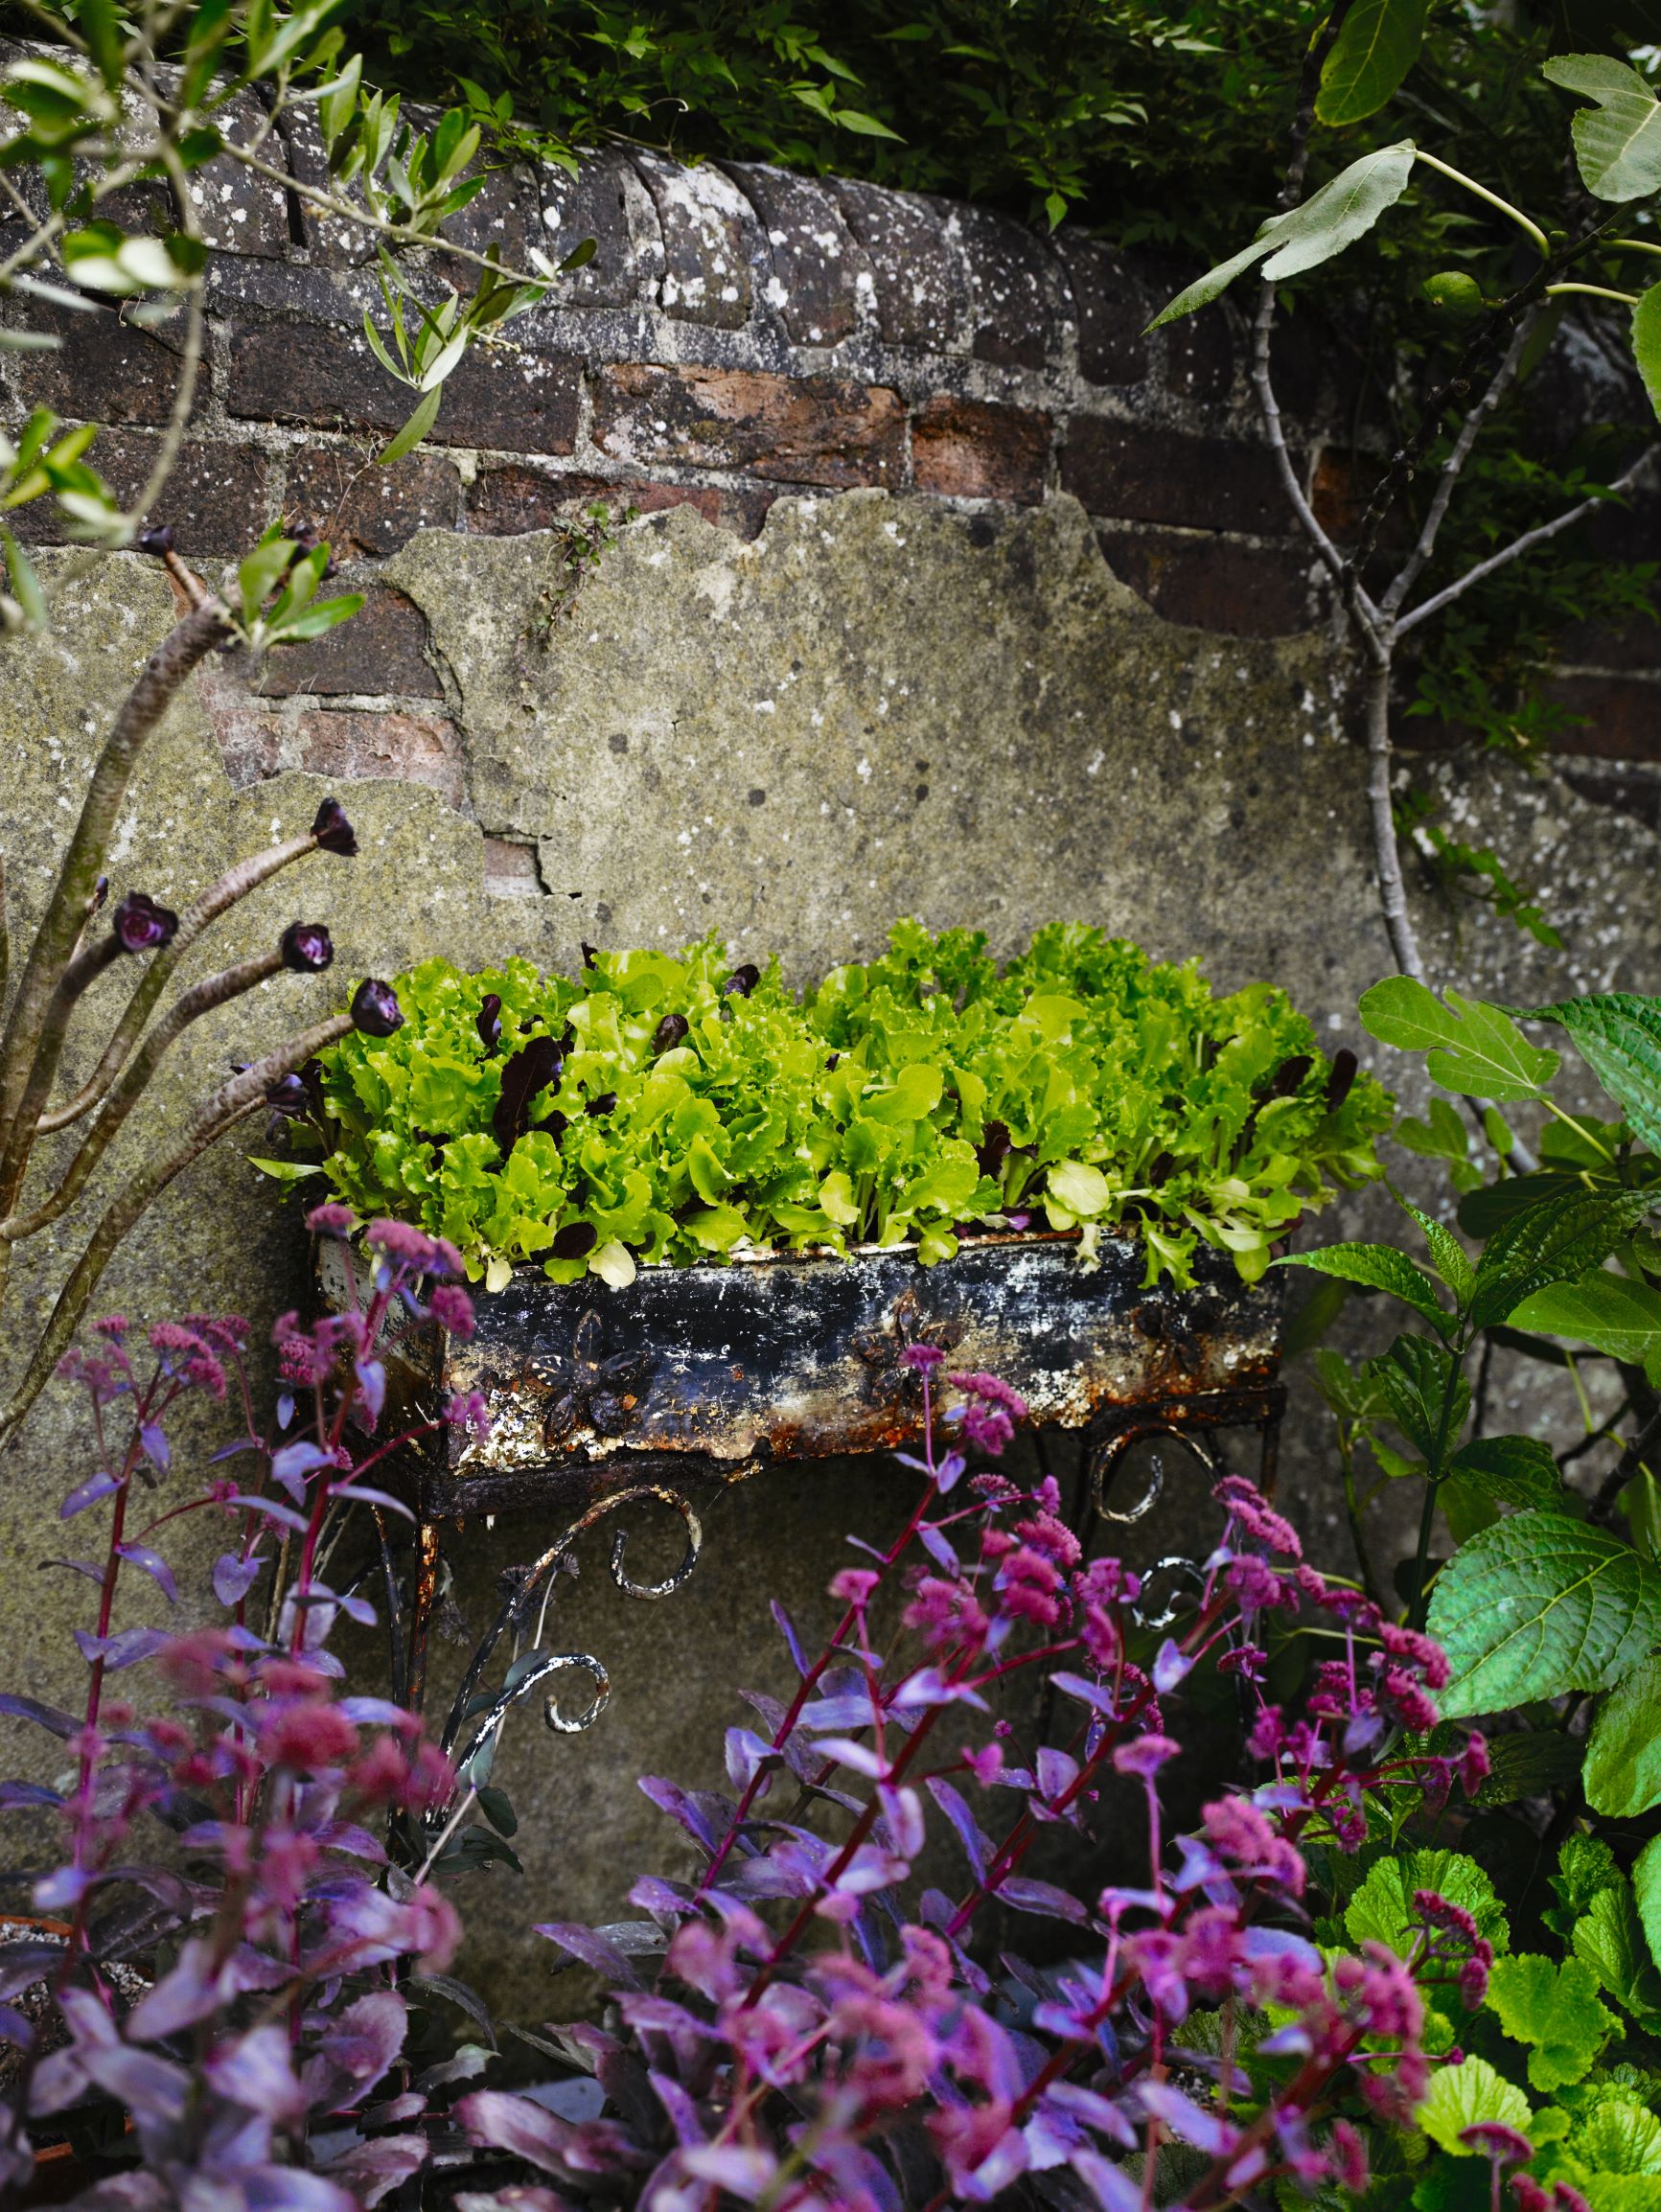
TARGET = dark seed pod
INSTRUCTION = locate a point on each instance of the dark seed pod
(375, 1008)
(1342, 1080)
(333, 831)
(306, 948)
(743, 980)
(141, 926)
(669, 1032)
(575, 1239)
(489, 1022)
(157, 540)
(289, 1096)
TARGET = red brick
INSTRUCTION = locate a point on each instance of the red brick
(341, 741)
(1623, 717)
(971, 450)
(790, 429)
(1010, 317)
(378, 651)
(104, 371)
(1165, 477)
(363, 508)
(1635, 645)
(903, 237)
(503, 502)
(1213, 582)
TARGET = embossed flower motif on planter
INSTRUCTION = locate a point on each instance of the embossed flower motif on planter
(883, 1350)
(595, 1390)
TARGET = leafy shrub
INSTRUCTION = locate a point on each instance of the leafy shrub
(223, 1842)
(677, 1110)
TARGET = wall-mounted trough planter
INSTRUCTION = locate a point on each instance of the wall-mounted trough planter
(798, 1358)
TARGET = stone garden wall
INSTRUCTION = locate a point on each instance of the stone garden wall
(950, 594)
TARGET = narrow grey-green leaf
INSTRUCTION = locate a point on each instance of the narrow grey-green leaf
(1558, 1240)
(1472, 1046)
(1377, 47)
(1623, 1769)
(1618, 1034)
(1213, 283)
(1539, 1605)
(1617, 140)
(1341, 212)
(1647, 343)
(1514, 1471)
(1610, 1312)
(414, 430)
(1378, 1267)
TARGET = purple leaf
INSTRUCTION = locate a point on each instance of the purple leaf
(1056, 1772)
(524, 1075)
(594, 1950)
(284, 1409)
(679, 2106)
(839, 1712)
(1170, 1666)
(664, 1901)
(950, 1471)
(461, 1995)
(368, 2037)
(373, 1713)
(370, 2170)
(369, 1497)
(1087, 1693)
(939, 1548)
(156, 1448)
(792, 1642)
(372, 1387)
(358, 1609)
(233, 1577)
(188, 1993)
(254, 2071)
(682, 1806)
(151, 2087)
(1041, 1897)
(283, 1515)
(125, 1649)
(1190, 2123)
(496, 2119)
(232, 1451)
(154, 1566)
(1111, 2185)
(294, 1461)
(87, 1493)
(23, 1964)
(90, 1568)
(15, 1793)
(47, 1717)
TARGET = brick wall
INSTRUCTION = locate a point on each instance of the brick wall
(741, 333)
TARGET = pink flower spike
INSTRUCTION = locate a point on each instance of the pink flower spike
(1146, 1755)
(1496, 2141)
(330, 1220)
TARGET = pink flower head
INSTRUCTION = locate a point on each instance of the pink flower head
(1568, 2198)
(467, 1409)
(308, 1736)
(1268, 1733)
(1347, 2158)
(426, 1255)
(1242, 1833)
(1251, 1510)
(1530, 2196)
(174, 1336)
(331, 1219)
(945, 1612)
(1257, 1586)
(922, 1358)
(1496, 2141)
(1031, 1588)
(1426, 1654)
(1474, 1764)
(114, 1325)
(1052, 1537)
(1145, 1755)
(451, 1309)
(854, 1585)
(1473, 1983)
(1441, 1912)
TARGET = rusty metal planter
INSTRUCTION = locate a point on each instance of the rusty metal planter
(600, 1396)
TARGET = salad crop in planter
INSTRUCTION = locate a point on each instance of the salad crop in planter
(683, 1109)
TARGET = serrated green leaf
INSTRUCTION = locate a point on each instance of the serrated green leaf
(1622, 1768)
(1585, 1868)
(1612, 1313)
(1539, 1605)
(1377, 1267)
(1621, 2138)
(1512, 1470)
(1448, 1256)
(1618, 139)
(1558, 1240)
(1647, 342)
(1426, 1389)
(1472, 1046)
(1647, 1895)
(1618, 1034)
(1463, 2097)
(1376, 48)
(1556, 2010)
(1383, 1909)
(1528, 1764)
(1609, 1936)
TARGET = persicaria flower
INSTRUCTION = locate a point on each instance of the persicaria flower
(333, 831)
(1030, 1587)
(922, 1358)
(173, 1336)
(1425, 1654)
(1441, 1912)
(451, 1309)
(1347, 2158)
(113, 1326)
(307, 947)
(1474, 1765)
(141, 926)
(429, 1254)
(1530, 2196)
(467, 1409)
(1496, 2141)
(1247, 1506)
(308, 1736)
(854, 1585)
(945, 1612)
(330, 1220)
(375, 1008)
(1145, 1755)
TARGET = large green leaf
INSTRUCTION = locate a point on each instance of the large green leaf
(1556, 2011)
(1646, 1894)
(1647, 343)
(1609, 1936)
(1377, 47)
(1538, 1605)
(1623, 1769)
(1426, 1391)
(1467, 2096)
(1528, 1762)
(1610, 1312)
(1473, 1047)
(1557, 1240)
(1514, 1471)
(1448, 1256)
(1618, 139)
(1378, 1267)
(1383, 1909)
(1306, 235)
(1618, 1034)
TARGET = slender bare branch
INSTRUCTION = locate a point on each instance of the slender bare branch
(213, 991)
(234, 885)
(1380, 805)
(1541, 535)
(136, 721)
(243, 1094)
(1412, 568)
(184, 397)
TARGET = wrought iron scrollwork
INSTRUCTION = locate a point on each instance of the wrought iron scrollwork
(1176, 1568)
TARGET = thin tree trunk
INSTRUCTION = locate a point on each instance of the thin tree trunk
(1391, 890)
